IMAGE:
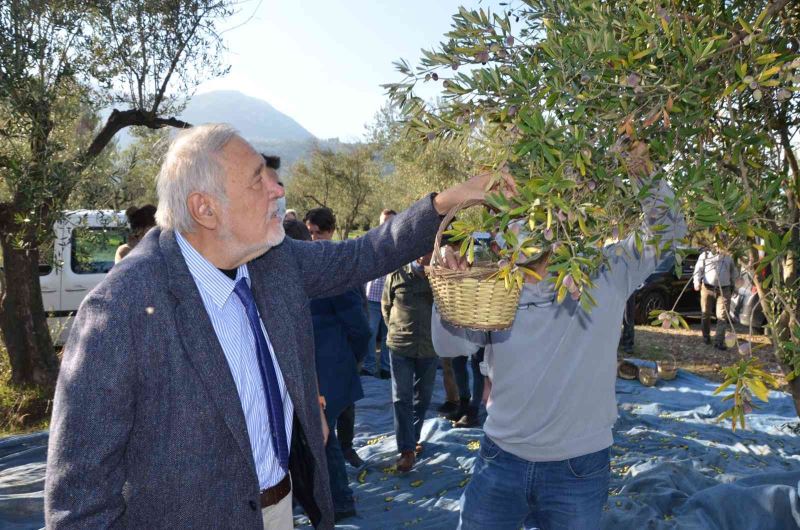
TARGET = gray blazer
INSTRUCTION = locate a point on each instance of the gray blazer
(147, 428)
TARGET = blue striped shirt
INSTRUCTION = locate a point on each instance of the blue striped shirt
(228, 316)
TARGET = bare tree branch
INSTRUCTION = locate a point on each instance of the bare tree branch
(321, 204)
(118, 120)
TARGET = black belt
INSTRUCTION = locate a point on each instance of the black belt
(275, 494)
(709, 286)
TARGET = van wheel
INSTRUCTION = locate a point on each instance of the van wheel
(651, 301)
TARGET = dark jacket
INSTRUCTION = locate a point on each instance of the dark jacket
(341, 336)
(407, 304)
(147, 428)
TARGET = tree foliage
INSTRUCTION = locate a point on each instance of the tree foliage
(705, 91)
(413, 170)
(347, 182)
(61, 61)
(123, 177)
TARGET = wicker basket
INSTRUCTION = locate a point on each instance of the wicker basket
(474, 298)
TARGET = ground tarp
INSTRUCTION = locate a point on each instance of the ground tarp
(673, 465)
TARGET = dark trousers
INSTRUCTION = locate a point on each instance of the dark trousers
(628, 330)
(412, 388)
(345, 428)
(337, 473)
(462, 379)
(449, 380)
(719, 299)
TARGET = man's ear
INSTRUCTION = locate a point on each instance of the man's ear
(203, 210)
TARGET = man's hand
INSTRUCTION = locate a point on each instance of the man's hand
(453, 259)
(696, 287)
(475, 188)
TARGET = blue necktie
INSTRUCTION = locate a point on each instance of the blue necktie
(272, 393)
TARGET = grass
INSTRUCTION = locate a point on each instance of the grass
(22, 409)
(693, 355)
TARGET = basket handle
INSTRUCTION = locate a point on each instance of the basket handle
(448, 218)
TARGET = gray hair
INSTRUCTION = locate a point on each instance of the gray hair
(191, 165)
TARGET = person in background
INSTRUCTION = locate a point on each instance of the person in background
(374, 288)
(323, 229)
(466, 415)
(341, 332)
(273, 164)
(714, 276)
(628, 328)
(140, 221)
(406, 306)
(296, 229)
(451, 396)
(291, 214)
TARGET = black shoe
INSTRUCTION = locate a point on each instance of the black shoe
(367, 372)
(352, 458)
(338, 516)
(386, 374)
(707, 340)
(447, 408)
(720, 347)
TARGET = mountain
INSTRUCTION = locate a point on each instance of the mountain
(267, 129)
(256, 119)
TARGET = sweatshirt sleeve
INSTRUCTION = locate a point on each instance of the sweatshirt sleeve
(452, 341)
(663, 221)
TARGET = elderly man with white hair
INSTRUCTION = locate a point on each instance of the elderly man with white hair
(187, 396)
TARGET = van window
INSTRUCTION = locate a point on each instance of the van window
(93, 249)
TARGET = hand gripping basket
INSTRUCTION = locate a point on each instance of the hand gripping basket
(474, 298)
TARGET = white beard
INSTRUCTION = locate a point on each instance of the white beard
(276, 238)
(238, 250)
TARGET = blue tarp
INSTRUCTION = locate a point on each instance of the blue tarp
(673, 465)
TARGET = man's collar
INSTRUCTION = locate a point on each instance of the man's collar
(208, 277)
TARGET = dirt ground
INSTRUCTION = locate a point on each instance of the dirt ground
(692, 354)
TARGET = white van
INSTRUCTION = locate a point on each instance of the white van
(82, 254)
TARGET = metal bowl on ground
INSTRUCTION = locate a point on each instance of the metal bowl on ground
(667, 369)
(627, 370)
(648, 375)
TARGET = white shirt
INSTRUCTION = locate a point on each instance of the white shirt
(229, 319)
(714, 269)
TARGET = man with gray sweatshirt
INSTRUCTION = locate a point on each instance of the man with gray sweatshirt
(544, 459)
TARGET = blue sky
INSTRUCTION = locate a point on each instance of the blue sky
(322, 62)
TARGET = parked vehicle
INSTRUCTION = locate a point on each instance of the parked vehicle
(82, 254)
(662, 288)
(745, 305)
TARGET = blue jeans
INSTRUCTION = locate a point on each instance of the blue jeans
(462, 378)
(508, 493)
(412, 388)
(378, 329)
(337, 472)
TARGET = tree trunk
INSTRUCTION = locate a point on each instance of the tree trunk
(794, 388)
(23, 323)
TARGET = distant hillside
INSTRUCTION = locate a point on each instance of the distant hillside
(256, 119)
(290, 152)
(269, 130)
